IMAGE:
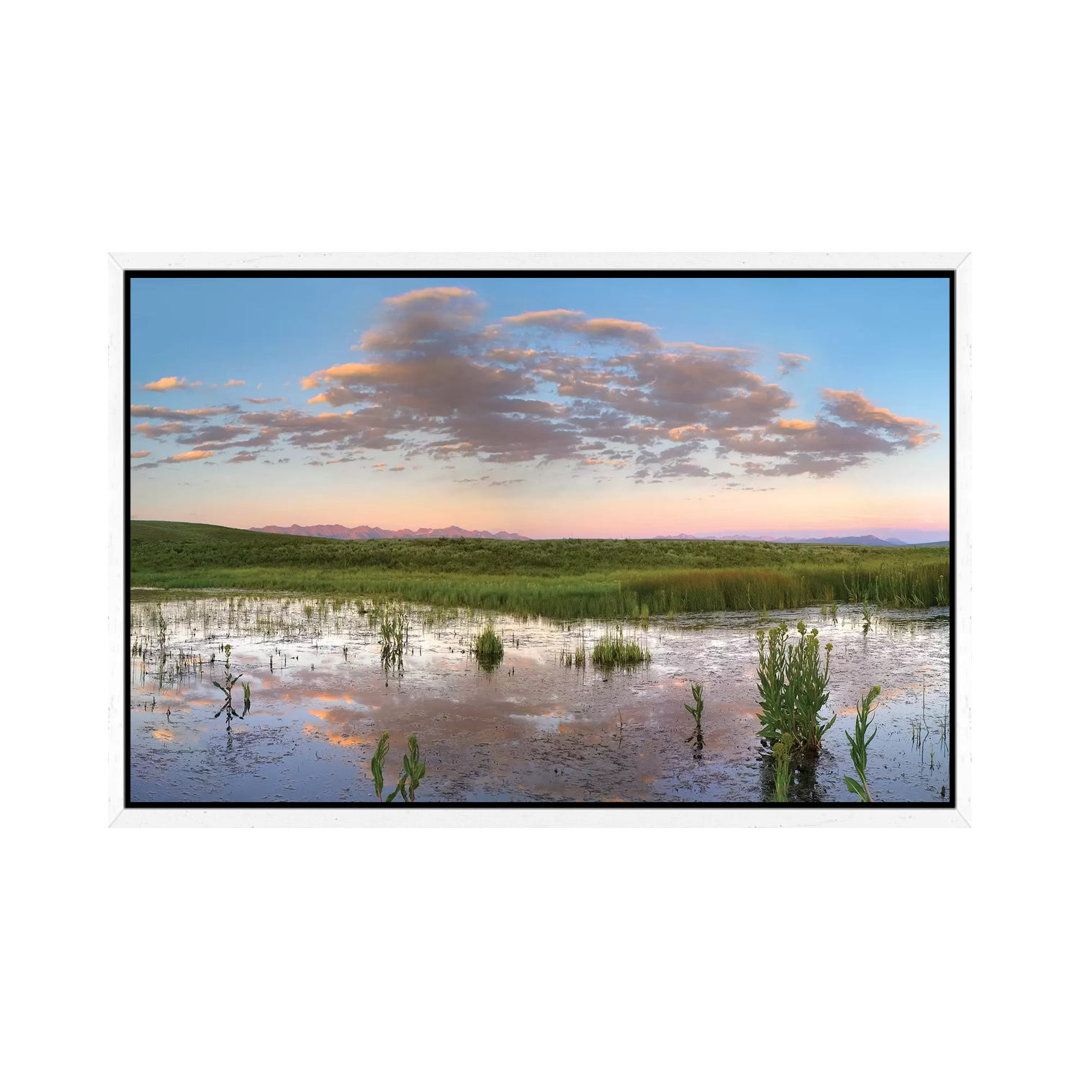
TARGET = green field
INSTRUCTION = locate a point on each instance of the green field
(557, 578)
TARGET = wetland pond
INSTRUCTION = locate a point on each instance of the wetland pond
(535, 728)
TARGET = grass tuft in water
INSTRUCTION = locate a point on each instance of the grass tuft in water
(393, 637)
(488, 648)
(615, 650)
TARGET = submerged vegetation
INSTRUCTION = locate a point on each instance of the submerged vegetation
(605, 579)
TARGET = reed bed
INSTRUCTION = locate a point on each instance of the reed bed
(565, 579)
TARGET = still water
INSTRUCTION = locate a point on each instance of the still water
(531, 730)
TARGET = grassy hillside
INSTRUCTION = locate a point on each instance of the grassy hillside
(559, 578)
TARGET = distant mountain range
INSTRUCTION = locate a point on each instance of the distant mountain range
(373, 532)
(862, 541)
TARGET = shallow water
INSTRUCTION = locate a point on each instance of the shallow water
(533, 730)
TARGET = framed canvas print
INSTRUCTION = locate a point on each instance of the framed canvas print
(544, 540)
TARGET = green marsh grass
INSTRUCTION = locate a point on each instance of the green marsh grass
(615, 650)
(488, 648)
(562, 579)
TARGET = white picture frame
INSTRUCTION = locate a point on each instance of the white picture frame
(678, 816)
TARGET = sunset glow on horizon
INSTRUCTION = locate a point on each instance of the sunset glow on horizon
(549, 407)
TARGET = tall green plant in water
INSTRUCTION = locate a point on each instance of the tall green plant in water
(695, 710)
(782, 767)
(859, 743)
(413, 770)
(793, 688)
(230, 681)
(377, 760)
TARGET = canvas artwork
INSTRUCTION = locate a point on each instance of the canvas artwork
(539, 538)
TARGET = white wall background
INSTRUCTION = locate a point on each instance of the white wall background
(575, 127)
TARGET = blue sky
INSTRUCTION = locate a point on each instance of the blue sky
(548, 406)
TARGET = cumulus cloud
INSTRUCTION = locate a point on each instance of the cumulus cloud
(847, 432)
(850, 406)
(190, 455)
(168, 382)
(439, 293)
(160, 412)
(159, 431)
(432, 378)
(564, 321)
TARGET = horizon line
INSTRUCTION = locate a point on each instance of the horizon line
(881, 532)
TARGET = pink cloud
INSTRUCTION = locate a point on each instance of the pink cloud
(168, 382)
(191, 455)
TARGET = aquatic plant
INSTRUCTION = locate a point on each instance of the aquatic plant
(578, 656)
(393, 637)
(782, 752)
(488, 647)
(695, 710)
(614, 650)
(230, 681)
(859, 743)
(413, 770)
(377, 760)
(793, 687)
